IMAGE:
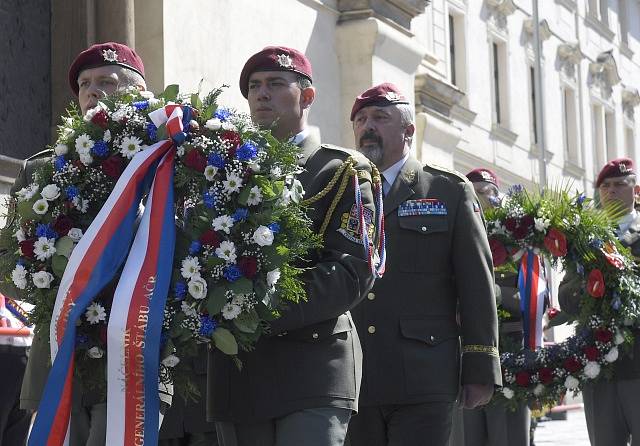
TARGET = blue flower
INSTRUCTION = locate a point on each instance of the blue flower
(241, 214)
(195, 247)
(274, 227)
(21, 262)
(180, 290)
(59, 163)
(207, 326)
(222, 114)
(581, 199)
(152, 131)
(72, 192)
(515, 190)
(596, 243)
(215, 160)
(232, 273)
(580, 269)
(616, 303)
(81, 339)
(100, 148)
(209, 199)
(46, 231)
(247, 151)
(141, 105)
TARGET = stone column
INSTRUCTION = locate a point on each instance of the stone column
(114, 20)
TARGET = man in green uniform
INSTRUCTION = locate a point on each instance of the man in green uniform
(300, 385)
(611, 407)
(438, 265)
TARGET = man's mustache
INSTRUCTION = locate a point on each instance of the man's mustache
(370, 135)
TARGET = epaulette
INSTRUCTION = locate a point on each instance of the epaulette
(357, 156)
(446, 170)
(343, 150)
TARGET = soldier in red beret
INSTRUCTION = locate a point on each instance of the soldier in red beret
(300, 385)
(611, 406)
(486, 185)
(438, 261)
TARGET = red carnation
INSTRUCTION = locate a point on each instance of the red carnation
(101, 119)
(510, 223)
(595, 284)
(556, 243)
(572, 365)
(527, 221)
(591, 353)
(196, 160)
(233, 138)
(26, 247)
(520, 232)
(62, 224)
(112, 167)
(522, 379)
(210, 238)
(603, 335)
(498, 252)
(248, 266)
(546, 375)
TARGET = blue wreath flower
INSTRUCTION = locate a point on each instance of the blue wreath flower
(247, 151)
(180, 290)
(209, 199)
(581, 199)
(195, 247)
(152, 131)
(215, 160)
(232, 273)
(100, 148)
(81, 339)
(222, 114)
(72, 192)
(240, 214)
(46, 231)
(274, 227)
(59, 163)
(141, 105)
(207, 326)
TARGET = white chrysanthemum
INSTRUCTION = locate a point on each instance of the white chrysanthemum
(170, 361)
(254, 166)
(190, 267)
(273, 276)
(188, 310)
(226, 125)
(507, 392)
(210, 172)
(231, 311)
(75, 234)
(121, 113)
(233, 183)
(95, 313)
(571, 382)
(146, 94)
(44, 248)
(107, 136)
(239, 299)
(263, 236)
(130, 145)
(84, 143)
(50, 192)
(618, 339)
(213, 124)
(612, 355)
(198, 287)
(19, 235)
(255, 196)
(537, 391)
(227, 251)
(42, 279)
(61, 149)
(27, 193)
(222, 223)
(541, 224)
(95, 353)
(19, 276)
(86, 158)
(592, 369)
(276, 172)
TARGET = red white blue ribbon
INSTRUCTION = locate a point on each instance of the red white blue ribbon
(138, 305)
(376, 255)
(532, 285)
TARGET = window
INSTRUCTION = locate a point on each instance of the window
(457, 60)
(598, 134)
(610, 133)
(570, 126)
(622, 18)
(499, 83)
(630, 142)
(452, 50)
(532, 105)
(600, 10)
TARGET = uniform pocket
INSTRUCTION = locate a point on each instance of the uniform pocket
(423, 243)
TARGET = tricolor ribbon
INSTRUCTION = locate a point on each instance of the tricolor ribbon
(532, 285)
(135, 323)
(376, 256)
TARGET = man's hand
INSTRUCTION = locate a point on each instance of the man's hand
(475, 395)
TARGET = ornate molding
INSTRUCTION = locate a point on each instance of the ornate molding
(434, 94)
(603, 73)
(498, 11)
(543, 29)
(400, 12)
(568, 56)
(630, 100)
(505, 7)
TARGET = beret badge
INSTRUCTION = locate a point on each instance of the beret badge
(284, 60)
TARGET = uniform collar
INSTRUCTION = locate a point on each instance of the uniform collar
(626, 221)
(297, 139)
(391, 173)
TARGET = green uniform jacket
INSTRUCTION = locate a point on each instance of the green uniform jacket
(436, 264)
(313, 358)
(572, 290)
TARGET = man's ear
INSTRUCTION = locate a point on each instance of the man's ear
(307, 97)
(409, 131)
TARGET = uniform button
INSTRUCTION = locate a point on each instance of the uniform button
(502, 276)
(371, 329)
(424, 229)
(371, 296)
(314, 336)
(432, 338)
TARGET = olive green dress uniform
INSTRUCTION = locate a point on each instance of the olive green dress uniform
(436, 264)
(610, 407)
(312, 359)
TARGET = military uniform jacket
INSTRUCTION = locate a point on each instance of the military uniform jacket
(312, 357)
(572, 290)
(438, 261)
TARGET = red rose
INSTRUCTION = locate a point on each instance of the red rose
(603, 335)
(522, 379)
(595, 284)
(556, 243)
(101, 119)
(527, 221)
(572, 365)
(196, 160)
(498, 252)
(78, 164)
(248, 266)
(510, 223)
(112, 166)
(545, 375)
(62, 224)
(26, 248)
(591, 353)
(520, 232)
(552, 312)
(233, 138)
(210, 238)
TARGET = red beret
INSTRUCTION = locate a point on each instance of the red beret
(620, 167)
(381, 95)
(482, 174)
(101, 54)
(274, 58)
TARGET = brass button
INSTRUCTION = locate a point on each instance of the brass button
(432, 338)
(371, 296)
(424, 229)
(314, 336)
(502, 276)
(371, 329)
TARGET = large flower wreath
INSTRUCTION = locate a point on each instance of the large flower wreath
(571, 231)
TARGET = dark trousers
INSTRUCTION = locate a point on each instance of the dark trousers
(491, 425)
(192, 439)
(14, 422)
(402, 425)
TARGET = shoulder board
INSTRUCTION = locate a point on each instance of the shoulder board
(445, 170)
(343, 150)
(41, 154)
